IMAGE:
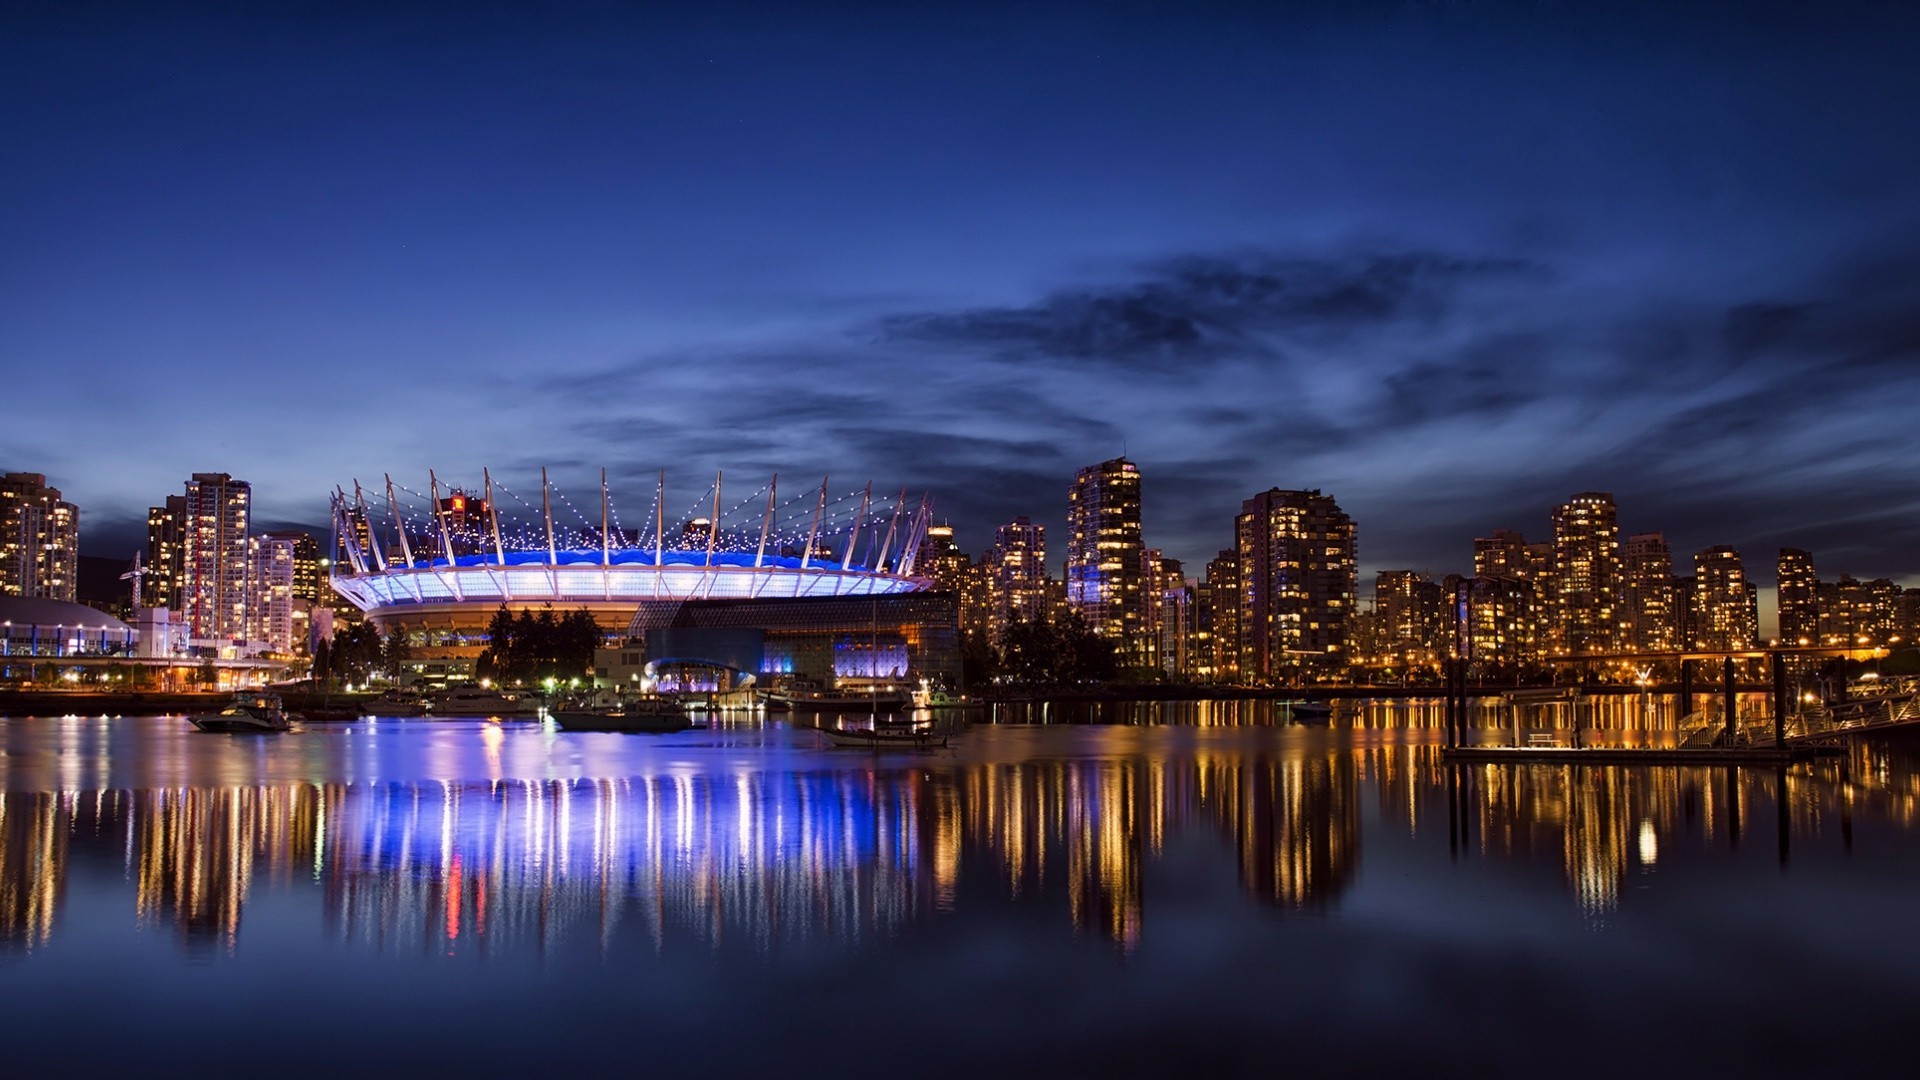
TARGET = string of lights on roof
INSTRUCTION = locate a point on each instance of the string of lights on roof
(461, 525)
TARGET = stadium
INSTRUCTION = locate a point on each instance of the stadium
(819, 585)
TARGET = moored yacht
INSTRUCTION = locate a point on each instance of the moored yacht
(251, 711)
(482, 701)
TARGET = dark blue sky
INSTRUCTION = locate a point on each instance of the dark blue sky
(1448, 261)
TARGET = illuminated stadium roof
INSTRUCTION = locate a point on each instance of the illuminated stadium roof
(455, 546)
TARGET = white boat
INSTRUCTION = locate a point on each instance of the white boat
(250, 712)
(480, 701)
(797, 699)
(395, 703)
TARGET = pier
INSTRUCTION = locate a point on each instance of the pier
(1715, 734)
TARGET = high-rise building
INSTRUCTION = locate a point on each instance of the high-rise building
(1854, 612)
(215, 555)
(1724, 608)
(1797, 594)
(1105, 557)
(309, 568)
(1584, 586)
(1297, 582)
(1506, 554)
(953, 570)
(1503, 623)
(1218, 618)
(166, 554)
(1171, 618)
(1413, 616)
(1648, 594)
(39, 539)
(271, 574)
(1017, 573)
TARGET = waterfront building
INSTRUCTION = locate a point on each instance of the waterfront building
(1503, 623)
(1173, 615)
(270, 592)
(1017, 562)
(39, 539)
(215, 557)
(1297, 583)
(1413, 621)
(1217, 618)
(1106, 561)
(309, 566)
(953, 570)
(165, 578)
(1797, 596)
(1648, 594)
(1584, 585)
(1725, 611)
(1854, 612)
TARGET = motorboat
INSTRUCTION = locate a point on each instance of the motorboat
(1310, 712)
(249, 712)
(639, 714)
(395, 703)
(482, 701)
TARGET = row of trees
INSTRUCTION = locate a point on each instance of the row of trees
(529, 648)
(357, 652)
(1041, 652)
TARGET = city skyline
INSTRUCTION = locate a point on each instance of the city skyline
(1685, 274)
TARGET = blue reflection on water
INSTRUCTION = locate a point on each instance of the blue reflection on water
(1086, 897)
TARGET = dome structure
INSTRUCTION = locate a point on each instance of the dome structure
(35, 626)
(41, 611)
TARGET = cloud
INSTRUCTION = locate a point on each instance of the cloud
(1196, 310)
(1437, 395)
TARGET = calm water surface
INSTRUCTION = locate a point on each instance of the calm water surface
(1196, 891)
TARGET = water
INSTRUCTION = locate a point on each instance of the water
(1215, 895)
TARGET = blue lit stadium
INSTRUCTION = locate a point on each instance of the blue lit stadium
(437, 565)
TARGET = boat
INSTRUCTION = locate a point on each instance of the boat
(800, 699)
(248, 712)
(395, 703)
(640, 714)
(481, 701)
(910, 738)
(1310, 712)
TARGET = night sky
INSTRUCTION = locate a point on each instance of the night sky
(1450, 262)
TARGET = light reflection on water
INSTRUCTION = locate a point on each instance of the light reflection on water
(487, 841)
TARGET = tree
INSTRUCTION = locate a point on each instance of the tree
(394, 653)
